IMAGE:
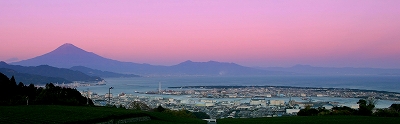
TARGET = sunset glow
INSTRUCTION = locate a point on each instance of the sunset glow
(265, 33)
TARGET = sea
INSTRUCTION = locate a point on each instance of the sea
(145, 84)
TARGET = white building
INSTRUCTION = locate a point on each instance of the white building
(258, 102)
(292, 111)
(108, 95)
(276, 102)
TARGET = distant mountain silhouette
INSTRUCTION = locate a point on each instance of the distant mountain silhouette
(68, 55)
(103, 74)
(310, 70)
(215, 68)
(49, 71)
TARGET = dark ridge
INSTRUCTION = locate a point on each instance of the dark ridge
(49, 71)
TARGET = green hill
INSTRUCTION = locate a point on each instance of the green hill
(83, 114)
(327, 119)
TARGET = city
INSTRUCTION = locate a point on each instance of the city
(238, 101)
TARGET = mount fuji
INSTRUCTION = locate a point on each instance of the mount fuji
(68, 55)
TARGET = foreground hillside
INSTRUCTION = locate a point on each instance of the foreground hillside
(83, 114)
(313, 120)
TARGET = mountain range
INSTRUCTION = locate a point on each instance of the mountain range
(32, 78)
(310, 70)
(34, 74)
(70, 56)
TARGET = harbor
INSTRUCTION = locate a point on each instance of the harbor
(244, 102)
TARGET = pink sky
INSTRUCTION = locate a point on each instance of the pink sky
(267, 33)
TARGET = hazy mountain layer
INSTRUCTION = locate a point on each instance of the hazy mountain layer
(49, 71)
(68, 55)
(99, 73)
(31, 78)
(310, 70)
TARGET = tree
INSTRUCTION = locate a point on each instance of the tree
(387, 112)
(392, 111)
(121, 106)
(201, 115)
(395, 107)
(160, 109)
(137, 105)
(342, 111)
(4, 92)
(12, 85)
(12, 80)
(323, 111)
(308, 111)
(366, 106)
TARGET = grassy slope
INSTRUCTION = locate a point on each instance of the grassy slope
(75, 114)
(314, 120)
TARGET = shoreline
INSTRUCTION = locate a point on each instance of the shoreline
(278, 91)
(258, 86)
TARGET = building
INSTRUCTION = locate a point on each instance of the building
(276, 102)
(258, 101)
(292, 111)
